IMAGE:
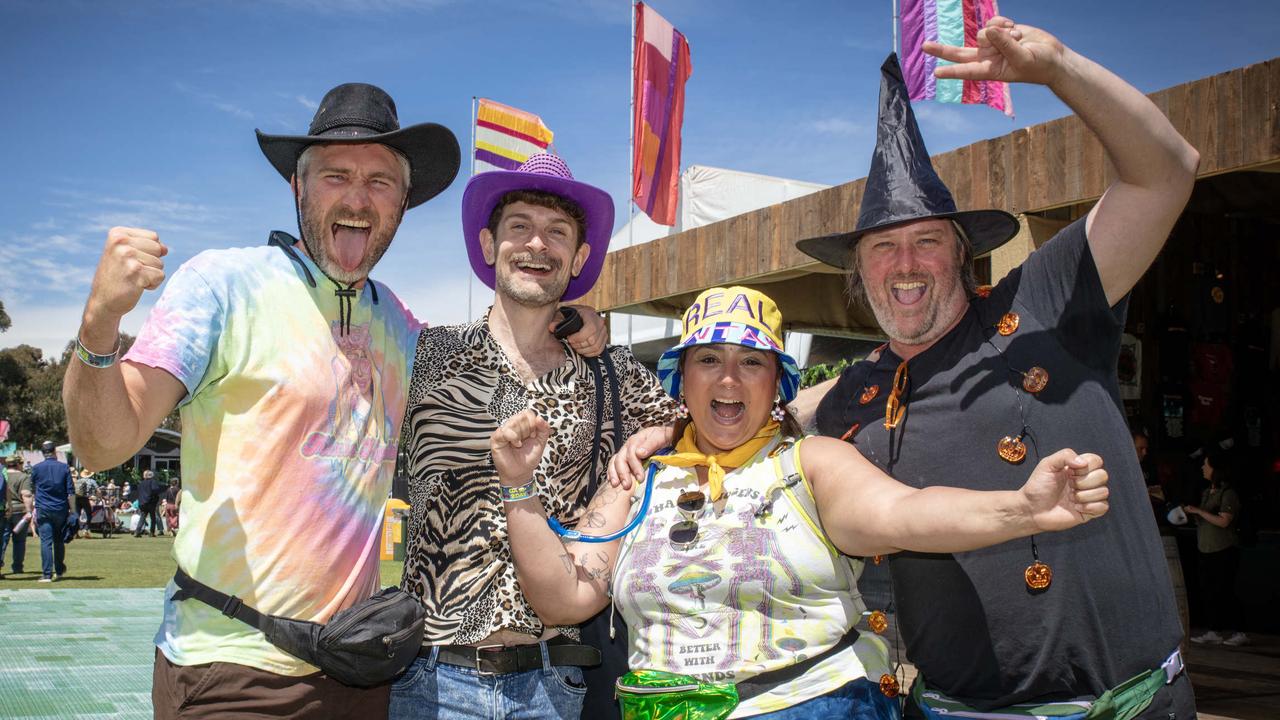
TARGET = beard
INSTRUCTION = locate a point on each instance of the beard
(317, 236)
(531, 294)
(924, 327)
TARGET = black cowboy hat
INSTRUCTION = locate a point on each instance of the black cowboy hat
(902, 185)
(357, 113)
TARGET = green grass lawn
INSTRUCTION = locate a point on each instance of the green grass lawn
(121, 561)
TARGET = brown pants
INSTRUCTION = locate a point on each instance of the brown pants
(227, 690)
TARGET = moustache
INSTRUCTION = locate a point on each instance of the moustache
(344, 212)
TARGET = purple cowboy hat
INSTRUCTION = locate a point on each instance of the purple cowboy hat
(550, 174)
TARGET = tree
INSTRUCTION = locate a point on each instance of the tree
(31, 393)
(5, 322)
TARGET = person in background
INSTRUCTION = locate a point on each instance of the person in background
(171, 500)
(149, 492)
(19, 505)
(1219, 548)
(55, 495)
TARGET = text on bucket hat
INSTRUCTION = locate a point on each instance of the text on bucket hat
(733, 316)
(358, 113)
(549, 174)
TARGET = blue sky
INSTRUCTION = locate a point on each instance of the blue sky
(142, 113)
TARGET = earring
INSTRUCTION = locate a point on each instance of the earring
(682, 410)
(777, 413)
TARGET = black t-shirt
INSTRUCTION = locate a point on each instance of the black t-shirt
(969, 622)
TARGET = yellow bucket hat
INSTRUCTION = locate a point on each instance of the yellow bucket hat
(736, 316)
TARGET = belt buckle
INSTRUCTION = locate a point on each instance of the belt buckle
(481, 672)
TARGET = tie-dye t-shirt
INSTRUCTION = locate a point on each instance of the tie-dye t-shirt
(289, 432)
(760, 589)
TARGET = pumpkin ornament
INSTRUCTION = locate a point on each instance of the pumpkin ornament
(1035, 379)
(878, 622)
(1011, 449)
(889, 685)
(1008, 324)
(1038, 575)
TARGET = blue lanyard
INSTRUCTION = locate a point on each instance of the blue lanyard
(574, 535)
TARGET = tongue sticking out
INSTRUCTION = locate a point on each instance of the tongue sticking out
(349, 246)
(909, 296)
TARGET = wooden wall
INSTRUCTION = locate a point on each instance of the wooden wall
(1231, 118)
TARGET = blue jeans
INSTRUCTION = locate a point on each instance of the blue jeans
(19, 541)
(857, 700)
(436, 690)
(50, 526)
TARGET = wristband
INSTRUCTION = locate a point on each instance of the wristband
(94, 360)
(517, 493)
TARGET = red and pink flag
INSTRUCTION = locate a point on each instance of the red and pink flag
(950, 22)
(662, 66)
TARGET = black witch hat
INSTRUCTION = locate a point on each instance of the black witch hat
(902, 185)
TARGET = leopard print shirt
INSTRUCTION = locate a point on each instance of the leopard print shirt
(458, 561)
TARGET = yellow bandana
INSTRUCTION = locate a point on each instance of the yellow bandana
(688, 455)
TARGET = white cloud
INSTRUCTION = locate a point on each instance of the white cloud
(935, 117)
(51, 327)
(213, 100)
(836, 126)
(307, 102)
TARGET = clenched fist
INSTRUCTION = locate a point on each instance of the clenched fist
(131, 263)
(517, 445)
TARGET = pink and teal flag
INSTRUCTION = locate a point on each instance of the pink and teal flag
(950, 22)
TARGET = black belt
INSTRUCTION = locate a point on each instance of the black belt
(504, 659)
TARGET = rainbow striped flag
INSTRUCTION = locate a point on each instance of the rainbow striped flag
(950, 22)
(506, 136)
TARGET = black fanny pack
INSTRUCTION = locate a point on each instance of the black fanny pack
(370, 643)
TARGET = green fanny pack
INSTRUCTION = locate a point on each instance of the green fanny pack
(1122, 702)
(662, 695)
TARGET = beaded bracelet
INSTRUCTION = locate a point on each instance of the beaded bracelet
(517, 493)
(93, 359)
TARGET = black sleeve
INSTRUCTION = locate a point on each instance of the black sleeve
(1060, 285)
(830, 416)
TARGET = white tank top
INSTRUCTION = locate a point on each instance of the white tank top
(760, 589)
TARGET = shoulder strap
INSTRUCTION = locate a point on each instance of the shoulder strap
(597, 448)
(593, 474)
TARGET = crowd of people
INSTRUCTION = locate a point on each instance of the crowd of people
(53, 502)
(979, 452)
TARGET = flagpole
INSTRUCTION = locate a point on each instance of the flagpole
(631, 148)
(895, 26)
(471, 275)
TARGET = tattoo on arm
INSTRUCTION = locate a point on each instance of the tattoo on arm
(595, 519)
(599, 570)
(568, 563)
